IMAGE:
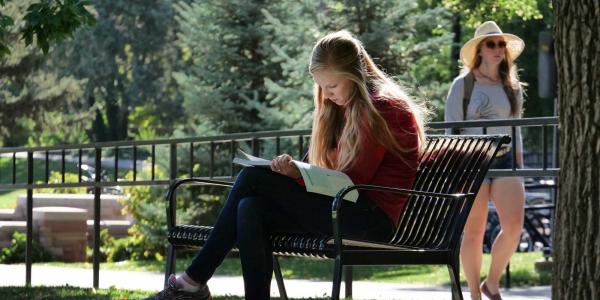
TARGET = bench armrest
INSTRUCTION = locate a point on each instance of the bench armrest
(337, 204)
(170, 194)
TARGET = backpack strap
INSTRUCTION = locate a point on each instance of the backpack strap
(469, 82)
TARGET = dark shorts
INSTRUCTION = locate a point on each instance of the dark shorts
(504, 161)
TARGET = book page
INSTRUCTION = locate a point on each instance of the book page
(317, 180)
(250, 160)
(325, 181)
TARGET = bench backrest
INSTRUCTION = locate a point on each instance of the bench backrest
(449, 165)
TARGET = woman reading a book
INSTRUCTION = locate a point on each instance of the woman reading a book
(364, 125)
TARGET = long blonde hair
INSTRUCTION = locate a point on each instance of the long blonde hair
(507, 71)
(334, 126)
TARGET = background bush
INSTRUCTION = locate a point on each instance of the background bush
(15, 253)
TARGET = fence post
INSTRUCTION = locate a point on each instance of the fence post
(255, 146)
(348, 281)
(300, 147)
(97, 192)
(172, 177)
(173, 173)
(29, 242)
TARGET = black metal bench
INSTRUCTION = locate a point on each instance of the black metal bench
(451, 170)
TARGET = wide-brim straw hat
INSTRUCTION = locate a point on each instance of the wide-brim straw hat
(514, 44)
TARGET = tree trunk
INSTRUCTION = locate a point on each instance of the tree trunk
(577, 226)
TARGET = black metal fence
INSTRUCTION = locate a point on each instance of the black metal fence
(30, 167)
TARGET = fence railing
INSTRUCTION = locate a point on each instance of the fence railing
(159, 162)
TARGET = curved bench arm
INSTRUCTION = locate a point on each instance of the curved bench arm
(170, 194)
(337, 204)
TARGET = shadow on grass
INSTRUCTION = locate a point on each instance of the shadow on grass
(72, 293)
(67, 292)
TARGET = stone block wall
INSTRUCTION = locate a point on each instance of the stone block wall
(62, 230)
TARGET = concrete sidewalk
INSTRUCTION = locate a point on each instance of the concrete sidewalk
(14, 275)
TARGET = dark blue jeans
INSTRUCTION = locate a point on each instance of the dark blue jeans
(263, 202)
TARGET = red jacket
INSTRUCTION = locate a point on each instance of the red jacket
(377, 166)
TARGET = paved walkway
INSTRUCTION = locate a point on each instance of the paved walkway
(14, 275)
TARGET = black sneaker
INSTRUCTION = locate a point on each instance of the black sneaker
(172, 292)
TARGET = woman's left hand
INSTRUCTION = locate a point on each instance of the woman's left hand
(282, 164)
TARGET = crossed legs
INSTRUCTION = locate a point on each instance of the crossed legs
(262, 202)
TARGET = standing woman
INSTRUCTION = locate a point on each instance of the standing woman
(364, 125)
(496, 93)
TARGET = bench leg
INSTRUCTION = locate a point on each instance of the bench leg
(348, 281)
(454, 270)
(279, 279)
(337, 279)
(170, 264)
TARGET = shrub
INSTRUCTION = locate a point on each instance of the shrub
(15, 253)
(56, 177)
(147, 238)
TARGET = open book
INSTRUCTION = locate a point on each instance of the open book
(316, 179)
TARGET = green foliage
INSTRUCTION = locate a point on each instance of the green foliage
(8, 199)
(55, 21)
(294, 27)
(115, 250)
(5, 22)
(407, 41)
(15, 253)
(479, 11)
(55, 128)
(31, 94)
(223, 86)
(253, 62)
(56, 177)
(146, 238)
(48, 21)
(127, 63)
(153, 69)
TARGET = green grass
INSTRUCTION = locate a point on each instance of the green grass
(72, 293)
(68, 292)
(8, 199)
(522, 270)
(39, 169)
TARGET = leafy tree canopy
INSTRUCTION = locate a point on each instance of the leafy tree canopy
(33, 97)
(46, 22)
(476, 12)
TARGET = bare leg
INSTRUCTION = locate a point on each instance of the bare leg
(471, 249)
(508, 195)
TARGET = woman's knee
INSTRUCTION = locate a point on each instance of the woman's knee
(473, 235)
(248, 207)
(513, 227)
(253, 178)
(511, 221)
(249, 174)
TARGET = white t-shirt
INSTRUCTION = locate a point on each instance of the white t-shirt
(488, 102)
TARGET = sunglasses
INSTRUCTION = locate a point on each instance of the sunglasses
(492, 45)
